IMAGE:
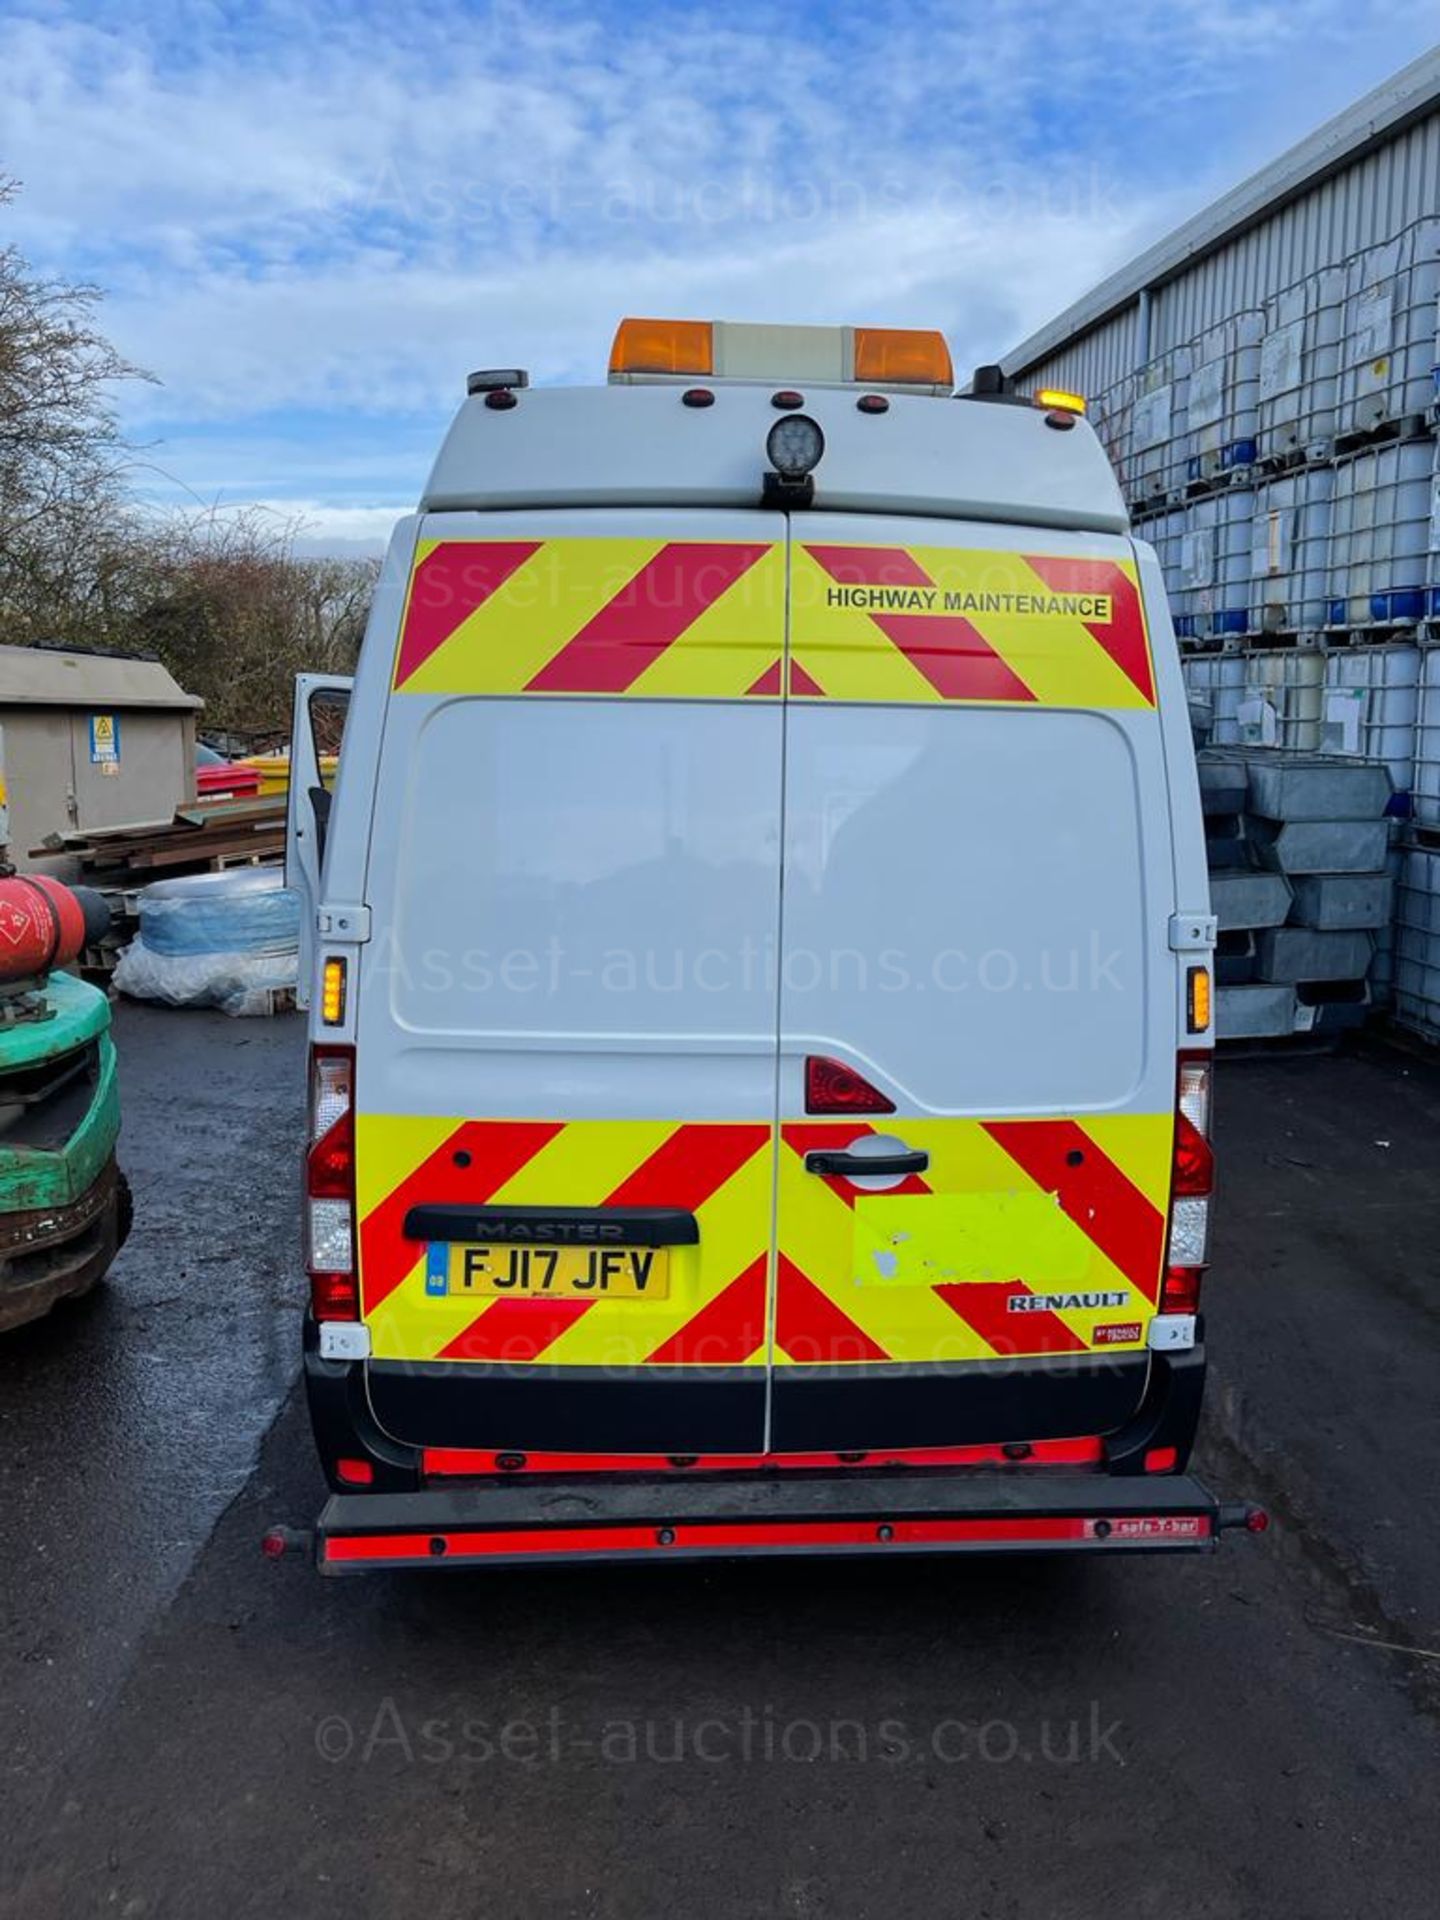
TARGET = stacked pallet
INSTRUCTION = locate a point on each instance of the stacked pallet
(203, 838)
(1297, 848)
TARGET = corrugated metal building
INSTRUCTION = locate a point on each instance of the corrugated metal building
(1265, 380)
(90, 740)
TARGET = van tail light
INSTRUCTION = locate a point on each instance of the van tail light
(330, 1185)
(832, 1087)
(1191, 1186)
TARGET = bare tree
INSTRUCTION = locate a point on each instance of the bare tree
(60, 447)
(220, 595)
(235, 614)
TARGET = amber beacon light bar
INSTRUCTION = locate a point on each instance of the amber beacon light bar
(909, 360)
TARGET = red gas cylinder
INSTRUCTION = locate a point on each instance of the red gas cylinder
(42, 925)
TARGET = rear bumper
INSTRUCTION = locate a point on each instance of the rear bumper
(729, 1410)
(846, 1514)
(1154, 1414)
(50, 1253)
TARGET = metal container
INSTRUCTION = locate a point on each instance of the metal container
(1254, 1012)
(1151, 468)
(1299, 367)
(1219, 679)
(1320, 846)
(1109, 414)
(1245, 901)
(1380, 535)
(1224, 785)
(1372, 703)
(1340, 902)
(1235, 542)
(1296, 954)
(1417, 942)
(1222, 415)
(1290, 551)
(1196, 577)
(1382, 966)
(1388, 331)
(1425, 785)
(1284, 693)
(1317, 788)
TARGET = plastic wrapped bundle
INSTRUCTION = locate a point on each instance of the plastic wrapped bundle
(227, 940)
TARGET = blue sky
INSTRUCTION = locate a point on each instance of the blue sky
(312, 219)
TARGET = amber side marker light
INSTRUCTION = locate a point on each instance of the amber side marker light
(1197, 1000)
(1057, 400)
(332, 993)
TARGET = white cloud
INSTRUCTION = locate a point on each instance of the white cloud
(315, 218)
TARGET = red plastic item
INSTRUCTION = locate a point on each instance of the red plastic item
(231, 780)
(42, 925)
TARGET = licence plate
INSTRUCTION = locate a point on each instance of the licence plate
(581, 1273)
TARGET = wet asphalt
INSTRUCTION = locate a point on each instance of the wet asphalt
(186, 1728)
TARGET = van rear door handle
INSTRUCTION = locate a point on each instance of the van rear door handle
(885, 1164)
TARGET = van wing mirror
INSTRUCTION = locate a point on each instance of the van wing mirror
(317, 725)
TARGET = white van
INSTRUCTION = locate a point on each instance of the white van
(760, 1025)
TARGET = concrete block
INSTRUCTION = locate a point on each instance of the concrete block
(1320, 846)
(1235, 960)
(1331, 1011)
(1293, 954)
(1254, 1013)
(1224, 787)
(1332, 901)
(1318, 787)
(1225, 852)
(1253, 899)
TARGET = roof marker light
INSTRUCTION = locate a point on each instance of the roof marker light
(489, 378)
(1057, 400)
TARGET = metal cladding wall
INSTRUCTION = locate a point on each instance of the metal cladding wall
(1361, 179)
(1266, 381)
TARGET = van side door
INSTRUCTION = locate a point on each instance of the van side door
(316, 724)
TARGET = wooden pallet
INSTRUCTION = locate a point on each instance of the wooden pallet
(199, 839)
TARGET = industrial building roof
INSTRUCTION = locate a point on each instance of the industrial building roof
(44, 677)
(1404, 98)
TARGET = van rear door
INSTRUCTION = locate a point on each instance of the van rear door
(978, 883)
(566, 1024)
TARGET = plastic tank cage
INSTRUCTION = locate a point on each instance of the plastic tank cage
(1417, 942)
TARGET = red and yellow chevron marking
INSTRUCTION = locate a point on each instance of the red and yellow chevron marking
(1006, 1211)
(966, 625)
(676, 619)
(927, 1271)
(715, 1314)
